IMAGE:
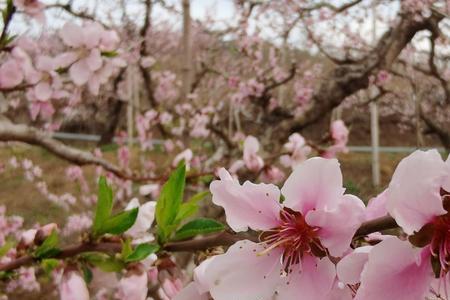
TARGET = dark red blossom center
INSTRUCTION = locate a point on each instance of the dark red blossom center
(295, 237)
(436, 234)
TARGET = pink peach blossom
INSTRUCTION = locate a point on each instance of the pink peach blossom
(251, 158)
(298, 151)
(185, 155)
(144, 220)
(73, 287)
(33, 8)
(339, 132)
(395, 270)
(85, 56)
(291, 260)
(417, 198)
(133, 286)
(11, 74)
(376, 207)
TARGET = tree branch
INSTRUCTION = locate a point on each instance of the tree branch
(214, 240)
(346, 79)
(376, 225)
(69, 9)
(23, 133)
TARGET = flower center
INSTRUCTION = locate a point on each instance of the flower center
(295, 237)
(440, 242)
(436, 234)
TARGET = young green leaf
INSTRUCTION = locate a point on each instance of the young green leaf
(109, 53)
(141, 252)
(87, 274)
(104, 262)
(169, 202)
(119, 223)
(198, 226)
(104, 205)
(5, 248)
(190, 207)
(49, 264)
(126, 248)
(48, 247)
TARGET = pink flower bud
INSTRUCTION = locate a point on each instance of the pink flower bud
(133, 286)
(73, 287)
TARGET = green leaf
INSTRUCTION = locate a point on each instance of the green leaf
(198, 226)
(49, 264)
(190, 207)
(48, 247)
(126, 248)
(119, 223)
(5, 248)
(169, 202)
(206, 179)
(104, 262)
(141, 252)
(7, 275)
(109, 53)
(87, 274)
(104, 205)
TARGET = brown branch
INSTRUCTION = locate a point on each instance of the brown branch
(67, 252)
(10, 132)
(442, 133)
(10, 10)
(204, 243)
(221, 134)
(214, 240)
(336, 9)
(23, 133)
(69, 9)
(376, 225)
(346, 79)
(275, 84)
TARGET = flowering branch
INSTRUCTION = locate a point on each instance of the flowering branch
(69, 251)
(349, 78)
(7, 18)
(69, 9)
(22, 133)
(376, 225)
(213, 240)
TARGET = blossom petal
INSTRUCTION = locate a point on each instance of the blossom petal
(71, 34)
(312, 280)
(92, 34)
(241, 274)
(94, 60)
(349, 268)
(43, 91)
(190, 292)
(446, 185)
(10, 74)
(376, 207)
(395, 271)
(314, 184)
(413, 197)
(145, 217)
(79, 72)
(65, 59)
(337, 226)
(133, 286)
(340, 292)
(73, 287)
(249, 205)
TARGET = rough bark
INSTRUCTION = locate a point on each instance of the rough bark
(348, 78)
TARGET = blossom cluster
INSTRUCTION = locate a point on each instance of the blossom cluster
(306, 247)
